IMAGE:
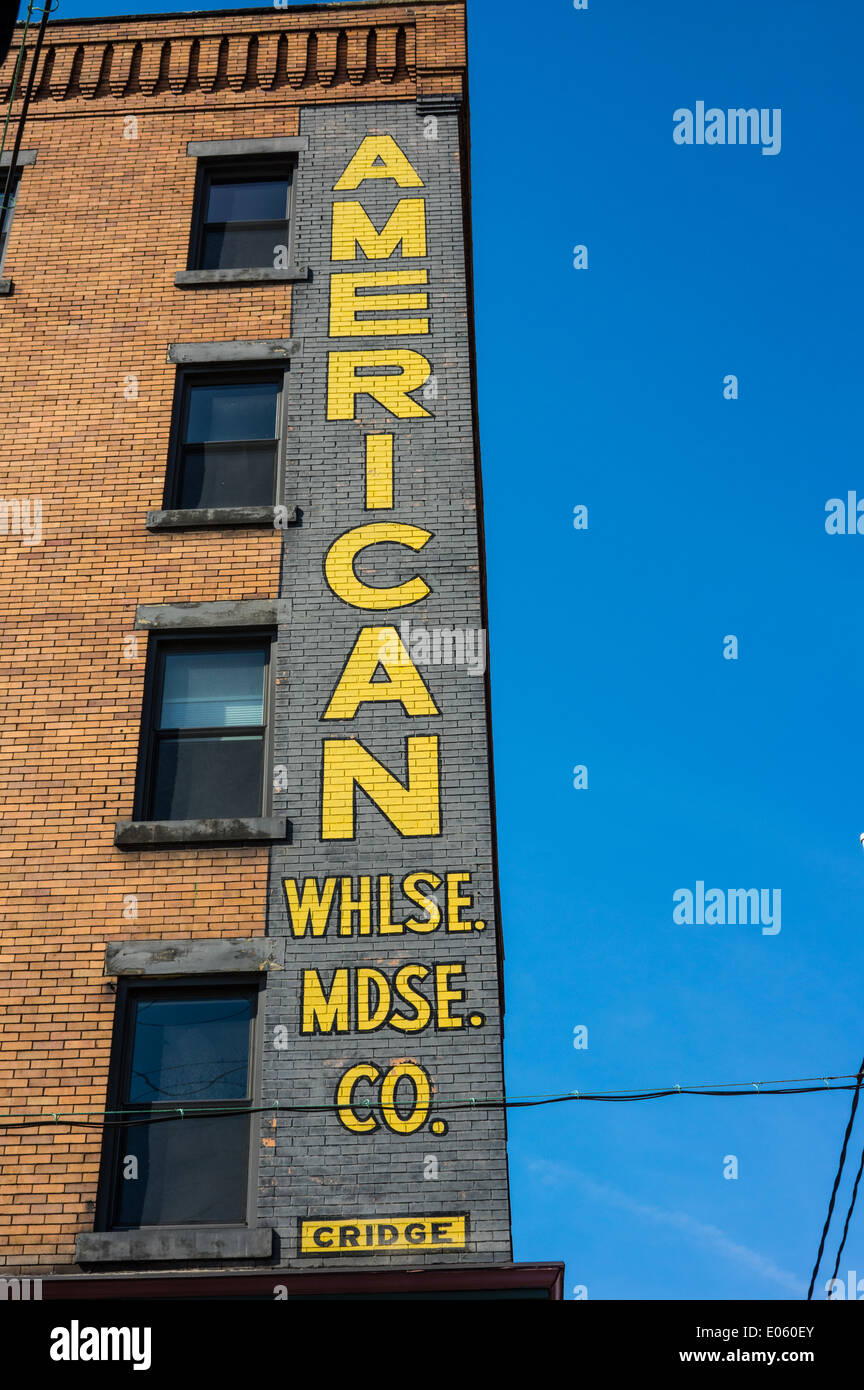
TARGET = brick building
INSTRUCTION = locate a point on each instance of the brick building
(251, 957)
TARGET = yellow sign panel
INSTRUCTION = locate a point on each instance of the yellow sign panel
(377, 1235)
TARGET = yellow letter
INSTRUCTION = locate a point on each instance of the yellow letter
(345, 1097)
(422, 1094)
(364, 165)
(369, 1019)
(352, 227)
(392, 391)
(444, 995)
(346, 303)
(379, 472)
(310, 906)
(356, 686)
(454, 902)
(339, 565)
(420, 1005)
(412, 809)
(386, 925)
(323, 1013)
(410, 887)
(350, 906)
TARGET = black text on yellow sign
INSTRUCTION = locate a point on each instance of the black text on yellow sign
(374, 1235)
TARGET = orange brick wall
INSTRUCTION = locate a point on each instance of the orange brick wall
(101, 227)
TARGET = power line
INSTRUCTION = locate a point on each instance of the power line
(788, 1087)
(848, 1216)
(837, 1180)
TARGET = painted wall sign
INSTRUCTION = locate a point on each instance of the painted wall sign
(389, 1004)
(374, 1235)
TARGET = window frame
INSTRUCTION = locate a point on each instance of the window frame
(198, 640)
(122, 1039)
(267, 165)
(223, 374)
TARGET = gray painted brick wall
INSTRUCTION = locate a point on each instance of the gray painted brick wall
(317, 1167)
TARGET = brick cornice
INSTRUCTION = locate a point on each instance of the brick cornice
(381, 48)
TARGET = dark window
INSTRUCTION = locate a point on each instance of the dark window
(188, 1047)
(243, 216)
(206, 737)
(226, 454)
(6, 220)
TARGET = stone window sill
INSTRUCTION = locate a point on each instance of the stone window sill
(194, 518)
(174, 617)
(158, 956)
(174, 1243)
(249, 275)
(6, 286)
(142, 834)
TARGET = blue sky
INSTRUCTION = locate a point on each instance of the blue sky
(706, 518)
